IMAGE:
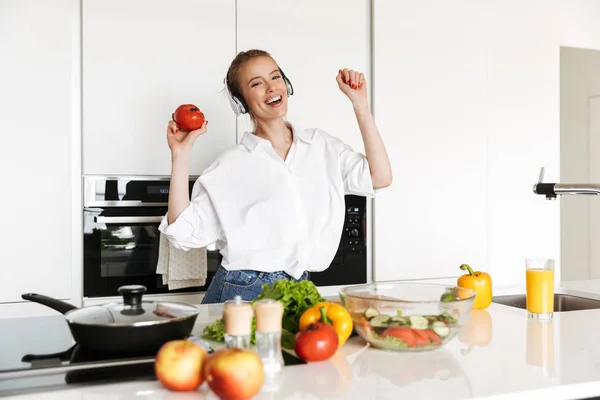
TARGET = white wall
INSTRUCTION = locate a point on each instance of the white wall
(475, 87)
(580, 161)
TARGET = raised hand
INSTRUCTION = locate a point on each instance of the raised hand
(354, 85)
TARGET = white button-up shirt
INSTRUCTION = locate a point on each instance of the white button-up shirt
(267, 214)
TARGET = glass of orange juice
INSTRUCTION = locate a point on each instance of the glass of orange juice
(540, 287)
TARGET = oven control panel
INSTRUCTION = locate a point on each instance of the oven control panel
(349, 266)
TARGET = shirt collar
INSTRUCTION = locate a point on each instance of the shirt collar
(251, 141)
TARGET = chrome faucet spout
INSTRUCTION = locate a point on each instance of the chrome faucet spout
(551, 190)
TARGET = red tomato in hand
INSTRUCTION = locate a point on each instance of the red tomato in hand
(188, 117)
(316, 342)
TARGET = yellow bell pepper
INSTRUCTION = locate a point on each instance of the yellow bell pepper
(481, 283)
(330, 313)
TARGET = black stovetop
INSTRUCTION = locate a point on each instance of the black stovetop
(39, 354)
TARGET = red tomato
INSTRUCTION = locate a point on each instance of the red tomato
(316, 342)
(407, 335)
(422, 337)
(188, 117)
(434, 338)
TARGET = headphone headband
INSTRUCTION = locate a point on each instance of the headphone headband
(238, 104)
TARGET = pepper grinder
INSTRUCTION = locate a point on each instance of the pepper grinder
(237, 319)
(269, 314)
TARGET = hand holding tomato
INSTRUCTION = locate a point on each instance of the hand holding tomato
(181, 140)
(187, 124)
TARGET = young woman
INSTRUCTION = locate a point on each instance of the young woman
(274, 203)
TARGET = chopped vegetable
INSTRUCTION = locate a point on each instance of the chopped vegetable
(447, 297)
(406, 335)
(411, 332)
(215, 331)
(418, 322)
(400, 321)
(380, 321)
(440, 328)
(371, 312)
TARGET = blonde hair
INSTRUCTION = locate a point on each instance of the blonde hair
(233, 72)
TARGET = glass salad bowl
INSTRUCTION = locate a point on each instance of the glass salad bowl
(400, 316)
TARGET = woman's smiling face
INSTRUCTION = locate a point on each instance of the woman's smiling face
(263, 88)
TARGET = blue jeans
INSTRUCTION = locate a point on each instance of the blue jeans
(245, 283)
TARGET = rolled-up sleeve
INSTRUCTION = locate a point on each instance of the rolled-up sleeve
(197, 226)
(356, 174)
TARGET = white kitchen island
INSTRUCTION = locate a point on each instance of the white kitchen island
(523, 360)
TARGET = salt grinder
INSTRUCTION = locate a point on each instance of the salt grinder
(237, 319)
(269, 314)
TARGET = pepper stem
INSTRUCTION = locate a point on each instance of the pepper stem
(465, 266)
(324, 315)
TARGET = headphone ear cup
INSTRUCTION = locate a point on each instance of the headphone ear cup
(240, 106)
(235, 107)
(290, 88)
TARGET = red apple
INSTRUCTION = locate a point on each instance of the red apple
(234, 374)
(178, 365)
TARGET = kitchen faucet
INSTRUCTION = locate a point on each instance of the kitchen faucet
(551, 190)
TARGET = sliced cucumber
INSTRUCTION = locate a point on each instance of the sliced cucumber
(451, 315)
(440, 328)
(371, 312)
(418, 322)
(380, 321)
(401, 320)
(432, 318)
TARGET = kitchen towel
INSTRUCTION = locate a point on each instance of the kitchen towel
(179, 268)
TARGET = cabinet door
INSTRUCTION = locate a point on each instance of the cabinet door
(141, 60)
(37, 107)
(429, 105)
(311, 40)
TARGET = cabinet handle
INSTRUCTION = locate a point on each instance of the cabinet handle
(127, 220)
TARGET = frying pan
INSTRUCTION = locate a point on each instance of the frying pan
(134, 325)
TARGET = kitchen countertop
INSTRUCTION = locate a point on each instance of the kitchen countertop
(508, 357)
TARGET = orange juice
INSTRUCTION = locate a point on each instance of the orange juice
(540, 291)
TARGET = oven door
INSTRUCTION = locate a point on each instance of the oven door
(121, 248)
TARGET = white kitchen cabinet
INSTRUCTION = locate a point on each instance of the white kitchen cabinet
(430, 82)
(311, 40)
(141, 60)
(38, 115)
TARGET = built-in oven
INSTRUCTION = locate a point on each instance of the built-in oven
(121, 217)
(121, 239)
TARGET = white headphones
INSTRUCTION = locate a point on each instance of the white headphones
(238, 104)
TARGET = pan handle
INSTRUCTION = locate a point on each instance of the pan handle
(55, 304)
(62, 356)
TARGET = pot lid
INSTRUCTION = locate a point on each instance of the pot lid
(132, 311)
